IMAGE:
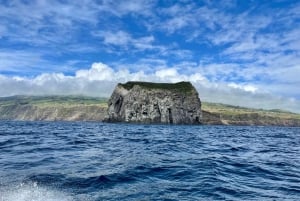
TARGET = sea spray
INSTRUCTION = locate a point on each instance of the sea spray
(33, 192)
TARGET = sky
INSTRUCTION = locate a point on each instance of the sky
(239, 52)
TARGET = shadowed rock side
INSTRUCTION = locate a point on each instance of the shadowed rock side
(143, 102)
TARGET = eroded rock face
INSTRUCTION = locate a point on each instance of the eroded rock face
(143, 102)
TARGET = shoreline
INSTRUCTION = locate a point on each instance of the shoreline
(91, 109)
(155, 124)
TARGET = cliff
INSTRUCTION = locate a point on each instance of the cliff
(221, 114)
(52, 108)
(144, 102)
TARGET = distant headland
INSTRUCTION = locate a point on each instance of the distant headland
(81, 108)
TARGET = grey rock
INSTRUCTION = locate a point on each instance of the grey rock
(144, 102)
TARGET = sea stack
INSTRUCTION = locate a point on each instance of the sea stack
(146, 102)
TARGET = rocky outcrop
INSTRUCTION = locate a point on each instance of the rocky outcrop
(78, 108)
(144, 102)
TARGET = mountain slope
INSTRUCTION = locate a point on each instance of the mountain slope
(216, 113)
(52, 108)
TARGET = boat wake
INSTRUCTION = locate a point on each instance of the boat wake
(32, 192)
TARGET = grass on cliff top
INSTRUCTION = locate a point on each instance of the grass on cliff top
(180, 86)
(230, 110)
(53, 101)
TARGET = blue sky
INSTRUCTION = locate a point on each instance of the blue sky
(235, 52)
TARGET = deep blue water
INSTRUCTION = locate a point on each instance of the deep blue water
(64, 161)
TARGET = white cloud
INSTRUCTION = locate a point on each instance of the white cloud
(101, 79)
(178, 17)
(18, 60)
(251, 52)
(165, 73)
(177, 23)
(116, 38)
(236, 96)
(120, 7)
(98, 71)
(247, 88)
(169, 74)
(44, 22)
(125, 40)
(58, 22)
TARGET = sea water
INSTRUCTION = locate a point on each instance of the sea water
(70, 161)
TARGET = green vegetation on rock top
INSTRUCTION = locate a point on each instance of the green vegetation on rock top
(180, 86)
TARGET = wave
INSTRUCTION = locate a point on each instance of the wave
(33, 192)
(84, 161)
(100, 181)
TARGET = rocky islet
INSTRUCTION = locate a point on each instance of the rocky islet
(145, 102)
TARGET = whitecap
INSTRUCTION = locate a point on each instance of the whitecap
(33, 192)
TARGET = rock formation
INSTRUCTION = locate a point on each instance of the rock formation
(79, 108)
(144, 102)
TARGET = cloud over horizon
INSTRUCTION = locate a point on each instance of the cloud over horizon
(236, 52)
(100, 80)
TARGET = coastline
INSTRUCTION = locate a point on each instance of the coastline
(77, 108)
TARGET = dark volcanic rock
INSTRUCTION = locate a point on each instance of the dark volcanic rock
(144, 102)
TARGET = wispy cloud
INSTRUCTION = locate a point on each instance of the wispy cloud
(125, 40)
(229, 47)
(133, 7)
(32, 63)
(43, 22)
(16, 61)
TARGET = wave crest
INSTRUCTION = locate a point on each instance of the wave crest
(32, 192)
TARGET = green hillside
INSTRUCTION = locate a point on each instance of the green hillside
(81, 108)
(53, 108)
(216, 113)
(52, 100)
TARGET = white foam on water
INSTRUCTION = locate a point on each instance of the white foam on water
(33, 192)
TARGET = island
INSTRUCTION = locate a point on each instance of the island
(146, 102)
(94, 109)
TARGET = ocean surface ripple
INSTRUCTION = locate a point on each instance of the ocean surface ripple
(81, 161)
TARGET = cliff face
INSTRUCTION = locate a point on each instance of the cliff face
(72, 108)
(34, 113)
(221, 114)
(52, 108)
(144, 102)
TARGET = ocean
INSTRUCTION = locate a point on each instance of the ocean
(89, 161)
